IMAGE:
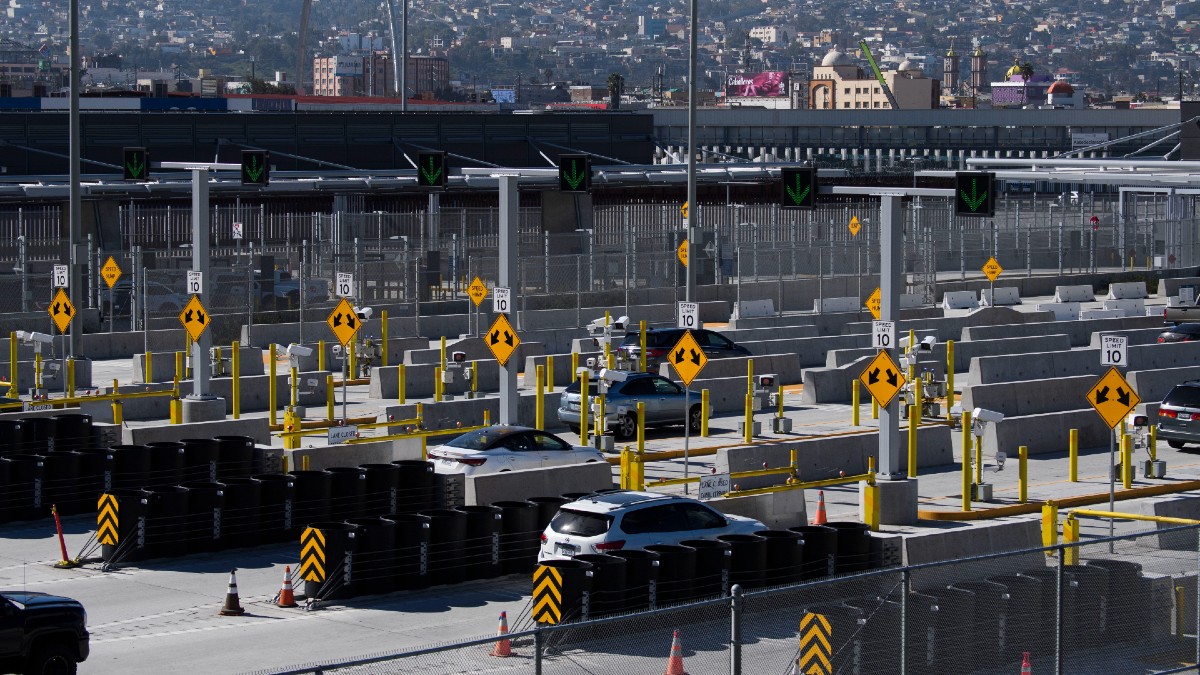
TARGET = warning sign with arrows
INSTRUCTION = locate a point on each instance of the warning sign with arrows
(106, 520)
(883, 378)
(502, 339)
(343, 321)
(61, 310)
(816, 650)
(111, 271)
(875, 303)
(1113, 398)
(547, 595)
(194, 318)
(688, 358)
(477, 290)
(312, 555)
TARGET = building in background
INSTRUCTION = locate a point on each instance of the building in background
(839, 83)
(371, 74)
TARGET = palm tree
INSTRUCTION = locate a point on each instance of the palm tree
(616, 85)
(1026, 76)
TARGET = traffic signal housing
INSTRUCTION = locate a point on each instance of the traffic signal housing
(256, 168)
(574, 173)
(135, 164)
(975, 194)
(431, 170)
(799, 189)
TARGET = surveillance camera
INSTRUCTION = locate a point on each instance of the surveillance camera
(298, 350)
(621, 323)
(591, 362)
(1139, 421)
(984, 415)
(766, 380)
(1000, 457)
(43, 338)
(927, 343)
(610, 375)
(337, 350)
(581, 371)
(459, 357)
(364, 313)
(22, 335)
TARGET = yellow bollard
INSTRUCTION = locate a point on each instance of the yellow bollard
(291, 422)
(794, 465)
(626, 479)
(383, 346)
(329, 397)
(351, 360)
(979, 462)
(179, 374)
(175, 409)
(437, 383)
(304, 463)
(912, 440)
(641, 427)
(1071, 536)
(235, 366)
(1073, 456)
(272, 386)
(13, 389)
(320, 355)
(748, 423)
(487, 417)
(642, 353)
(71, 377)
(1049, 525)
(442, 352)
(217, 355)
(474, 381)
(949, 376)
(574, 366)
(402, 384)
(854, 402)
(37, 372)
(966, 460)
(283, 464)
(539, 409)
(704, 413)
(1180, 613)
(874, 408)
(147, 373)
(118, 412)
(1023, 474)
(585, 408)
(549, 373)
(871, 505)
(1127, 461)
(1152, 442)
(608, 358)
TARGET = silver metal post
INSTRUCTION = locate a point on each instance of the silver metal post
(687, 429)
(75, 195)
(693, 216)
(905, 581)
(891, 270)
(735, 630)
(509, 219)
(1112, 482)
(200, 257)
(1058, 610)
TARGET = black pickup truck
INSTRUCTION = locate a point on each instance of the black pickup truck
(41, 634)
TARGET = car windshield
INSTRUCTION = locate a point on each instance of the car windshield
(580, 523)
(593, 388)
(480, 439)
(1185, 397)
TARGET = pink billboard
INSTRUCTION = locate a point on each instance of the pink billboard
(769, 83)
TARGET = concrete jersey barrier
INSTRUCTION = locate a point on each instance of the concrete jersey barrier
(1063, 311)
(959, 300)
(1006, 295)
(1079, 332)
(834, 305)
(1074, 294)
(1127, 290)
(1046, 365)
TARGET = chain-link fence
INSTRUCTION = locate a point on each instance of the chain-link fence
(1122, 605)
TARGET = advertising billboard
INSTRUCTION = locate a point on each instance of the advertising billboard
(769, 83)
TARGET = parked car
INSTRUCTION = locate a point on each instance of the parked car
(660, 340)
(664, 401)
(41, 634)
(1179, 415)
(1184, 332)
(159, 298)
(612, 521)
(502, 447)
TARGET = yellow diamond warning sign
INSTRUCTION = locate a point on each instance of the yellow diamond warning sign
(854, 226)
(477, 290)
(682, 252)
(111, 271)
(688, 358)
(992, 269)
(61, 310)
(1113, 398)
(343, 321)
(883, 378)
(875, 303)
(502, 339)
(194, 318)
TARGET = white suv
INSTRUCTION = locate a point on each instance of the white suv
(613, 521)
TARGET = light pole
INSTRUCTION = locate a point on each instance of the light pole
(693, 215)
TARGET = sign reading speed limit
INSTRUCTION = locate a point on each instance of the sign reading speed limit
(501, 300)
(345, 285)
(195, 282)
(61, 276)
(1113, 350)
(883, 334)
(689, 315)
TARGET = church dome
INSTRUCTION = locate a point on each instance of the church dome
(906, 65)
(1061, 88)
(836, 58)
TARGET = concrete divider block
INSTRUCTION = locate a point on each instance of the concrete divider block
(562, 367)
(959, 300)
(1006, 295)
(1046, 432)
(990, 369)
(350, 455)
(419, 380)
(469, 412)
(1080, 332)
(911, 300)
(1080, 293)
(1170, 506)
(1170, 287)
(1029, 397)
(257, 428)
(1063, 311)
(1127, 290)
(750, 309)
(808, 352)
(1103, 314)
(53, 376)
(549, 482)
(1153, 385)
(784, 366)
(476, 349)
(972, 539)
(776, 510)
(831, 385)
(950, 327)
(1131, 307)
(832, 305)
(1136, 336)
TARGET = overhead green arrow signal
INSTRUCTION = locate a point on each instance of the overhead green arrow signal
(253, 170)
(431, 173)
(574, 177)
(799, 187)
(134, 166)
(973, 192)
(255, 167)
(798, 196)
(431, 170)
(975, 199)
(574, 173)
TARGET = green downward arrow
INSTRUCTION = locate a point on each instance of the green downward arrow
(975, 199)
(797, 195)
(253, 171)
(136, 166)
(576, 177)
(431, 176)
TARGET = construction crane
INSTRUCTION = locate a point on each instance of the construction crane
(887, 91)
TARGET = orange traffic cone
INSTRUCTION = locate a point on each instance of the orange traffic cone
(675, 662)
(287, 597)
(232, 606)
(503, 646)
(821, 518)
(1026, 666)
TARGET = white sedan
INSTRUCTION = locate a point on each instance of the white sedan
(502, 447)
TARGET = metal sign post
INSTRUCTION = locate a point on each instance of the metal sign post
(509, 218)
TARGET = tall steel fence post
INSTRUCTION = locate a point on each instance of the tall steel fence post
(1058, 612)
(539, 642)
(735, 630)
(1197, 606)
(905, 581)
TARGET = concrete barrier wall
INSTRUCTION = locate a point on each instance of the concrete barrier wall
(963, 351)
(974, 539)
(1131, 307)
(1007, 295)
(326, 456)
(750, 309)
(255, 427)
(950, 328)
(959, 300)
(1046, 365)
(469, 412)
(53, 376)
(744, 335)
(1127, 290)
(832, 324)
(1153, 385)
(1063, 311)
(1080, 332)
(255, 396)
(776, 510)
(562, 367)
(834, 305)
(419, 381)
(821, 458)
(1170, 287)
(475, 348)
(551, 482)
(1029, 397)
(831, 385)
(1046, 433)
(250, 363)
(784, 366)
(809, 352)
(1076, 293)
(1135, 336)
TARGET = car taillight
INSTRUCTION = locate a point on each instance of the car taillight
(545, 538)
(1168, 413)
(607, 546)
(655, 352)
(1161, 340)
(472, 461)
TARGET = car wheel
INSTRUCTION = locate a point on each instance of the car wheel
(1176, 444)
(694, 419)
(54, 658)
(626, 427)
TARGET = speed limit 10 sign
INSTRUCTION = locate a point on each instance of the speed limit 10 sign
(883, 334)
(501, 300)
(345, 284)
(1113, 350)
(689, 315)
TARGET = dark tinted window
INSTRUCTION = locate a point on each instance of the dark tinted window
(664, 387)
(632, 340)
(1186, 396)
(593, 389)
(701, 517)
(543, 441)
(516, 443)
(664, 518)
(663, 339)
(480, 439)
(580, 523)
(641, 386)
(715, 340)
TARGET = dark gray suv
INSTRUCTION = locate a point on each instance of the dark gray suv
(1179, 415)
(660, 340)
